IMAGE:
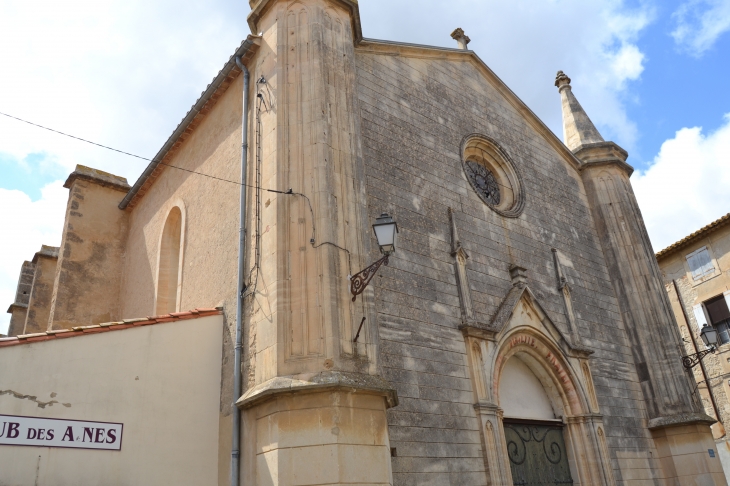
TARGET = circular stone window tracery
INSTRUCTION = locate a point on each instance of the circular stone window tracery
(492, 175)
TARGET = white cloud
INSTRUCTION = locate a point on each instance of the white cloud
(686, 186)
(526, 42)
(120, 72)
(26, 226)
(700, 23)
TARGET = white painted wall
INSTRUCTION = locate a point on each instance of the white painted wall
(521, 395)
(161, 381)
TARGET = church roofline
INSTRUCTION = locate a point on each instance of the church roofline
(249, 47)
(501, 86)
(198, 111)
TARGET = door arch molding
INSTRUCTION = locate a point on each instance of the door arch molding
(527, 333)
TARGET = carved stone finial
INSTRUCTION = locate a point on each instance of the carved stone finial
(578, 129)
(461, 38)
(561, 80)
(518, 275)
(455, 241)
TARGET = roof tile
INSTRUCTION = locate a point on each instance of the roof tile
(106, 327)
(693, 236)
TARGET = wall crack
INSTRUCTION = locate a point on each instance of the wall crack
(32, 398)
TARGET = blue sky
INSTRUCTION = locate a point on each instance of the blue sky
(679, 87)
(653, 75)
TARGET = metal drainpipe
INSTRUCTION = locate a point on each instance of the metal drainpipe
(236, 449)
(694, 346)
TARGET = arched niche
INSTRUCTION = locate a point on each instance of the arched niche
(169, 267)
(522, 395)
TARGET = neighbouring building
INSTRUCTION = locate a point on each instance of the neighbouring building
(695, 271)
(521, 333)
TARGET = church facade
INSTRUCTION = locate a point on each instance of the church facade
(520, 331)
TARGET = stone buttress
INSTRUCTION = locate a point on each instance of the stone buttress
(678, 424)
(315, 405)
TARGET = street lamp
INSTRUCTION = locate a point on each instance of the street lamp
(386, 232)
(709, 337)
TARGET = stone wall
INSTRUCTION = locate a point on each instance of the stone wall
(416, 108)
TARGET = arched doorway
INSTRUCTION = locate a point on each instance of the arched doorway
(532, 429)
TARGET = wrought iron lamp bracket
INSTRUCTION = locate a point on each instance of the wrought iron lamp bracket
(693, 360)
(360, 280)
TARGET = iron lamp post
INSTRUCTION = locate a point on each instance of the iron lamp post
(709, 337)
(386, 232)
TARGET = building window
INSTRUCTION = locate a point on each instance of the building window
(168, 274)
(700, 263)
(492, 175)
(717, 310)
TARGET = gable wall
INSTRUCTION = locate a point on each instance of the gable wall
(210, 209)
(415, 113)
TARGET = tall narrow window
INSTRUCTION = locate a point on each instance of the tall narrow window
(168, 276)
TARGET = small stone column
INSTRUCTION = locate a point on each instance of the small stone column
(495, 444)
(18, 310)
(40, 303)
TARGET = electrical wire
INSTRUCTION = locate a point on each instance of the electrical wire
(72, 136)
(147, 159)
(256, 186)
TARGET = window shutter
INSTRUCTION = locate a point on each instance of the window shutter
(694, 265)
(700, 263)
(727, 298)
(705, 262)
(699, 316)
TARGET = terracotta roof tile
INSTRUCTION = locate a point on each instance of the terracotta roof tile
(694, 236)
(105, 327)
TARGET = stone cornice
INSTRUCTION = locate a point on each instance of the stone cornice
(602, 154)
(18, 305)
(96, 176)
(324, 381)
(46, 252)
(681, 419)
(259, 8)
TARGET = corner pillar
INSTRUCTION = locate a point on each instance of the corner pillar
(675, 415)
(494, 443)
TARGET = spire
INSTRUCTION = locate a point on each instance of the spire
(578, 129)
